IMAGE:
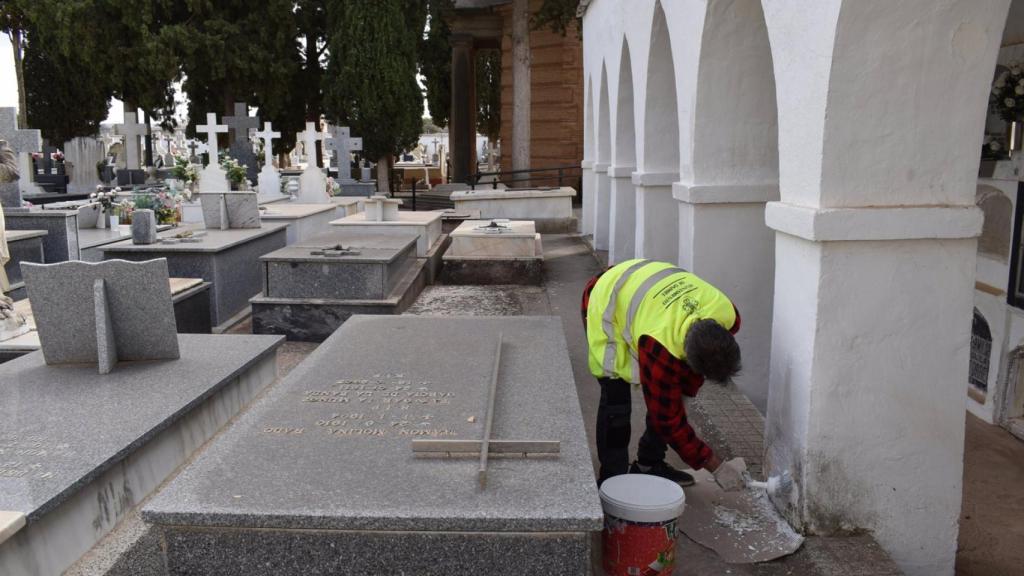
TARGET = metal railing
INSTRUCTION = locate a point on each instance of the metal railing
(561, 174)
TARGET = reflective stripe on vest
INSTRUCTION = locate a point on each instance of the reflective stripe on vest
(634, 305)
(607, 319)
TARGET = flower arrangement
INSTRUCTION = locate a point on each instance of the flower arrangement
(333, 187)
(184, 170)
(1007, 97)
(57, 156)
(37, 155)
(106, 198)
(993, 148)
(167, 207)
(235, 171)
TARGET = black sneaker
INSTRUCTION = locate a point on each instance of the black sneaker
(663, 470)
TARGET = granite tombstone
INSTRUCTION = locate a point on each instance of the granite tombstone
(23, 143)
(241, 147)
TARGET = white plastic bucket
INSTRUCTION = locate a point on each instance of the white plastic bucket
(640, 515)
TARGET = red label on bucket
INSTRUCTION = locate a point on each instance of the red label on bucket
(638, 548)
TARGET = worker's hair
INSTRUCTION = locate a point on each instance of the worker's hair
(712, 351)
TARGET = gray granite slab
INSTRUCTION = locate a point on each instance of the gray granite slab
(229, 259)
(18, 235)
(329, 448)
(127, 316)
(63, 426)
(61, 241)
(368, 273)
(24, 246)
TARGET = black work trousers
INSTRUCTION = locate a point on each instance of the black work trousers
(613, 431)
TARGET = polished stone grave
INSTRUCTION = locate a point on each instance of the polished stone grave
(319, 476)
(426, 224)
(549, 208)
(494, 252)
(311, 287)
(24, 246)
(229, 259)
(79, 450)
(347, 205)
(91, 239)
(304, 220)
(61, 240)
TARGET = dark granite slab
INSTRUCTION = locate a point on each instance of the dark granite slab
(229, 259)
(329, 448)
(61, 241)
(63, 426)
(90, 239)
(370, 272)
(24, 246)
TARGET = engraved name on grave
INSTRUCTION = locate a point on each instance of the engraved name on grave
(385, 405)
(29, 456)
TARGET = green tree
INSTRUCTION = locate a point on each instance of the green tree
(238, 51)
(65, 99)
(557, 15)
(13, 23)
(435, 57)
(370, 82)
(488, 93)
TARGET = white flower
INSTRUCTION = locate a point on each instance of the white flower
(1000, 83)
(1015, 71)
(1018, 90)
(995, 146)
(1010, 102)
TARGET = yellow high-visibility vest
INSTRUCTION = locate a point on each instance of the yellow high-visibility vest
(644, 297)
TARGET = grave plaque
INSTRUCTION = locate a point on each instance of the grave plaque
(346, 494)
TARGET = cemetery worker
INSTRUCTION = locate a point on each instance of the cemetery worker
(664, 329)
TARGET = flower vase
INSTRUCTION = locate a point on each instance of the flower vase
(1014, 136)
(102, 220)
(115, 221)
(143, 227)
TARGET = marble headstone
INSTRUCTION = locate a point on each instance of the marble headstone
(81, 156)
(341, 145)
(212, 178)
(269, 179)
(224, 210)
(241, 147)
(312, 182)
(102, 312)
(23, 143)
(132, 130)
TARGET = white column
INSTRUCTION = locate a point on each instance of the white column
(657, 216)
(602, 205)
(723, 238)
(588, 194)
(520, 84)
(622, 227)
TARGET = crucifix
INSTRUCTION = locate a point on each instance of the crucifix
(267, 135)
(131, 129)
(23, 143)
(211, 129)
(342, 145)
(240, 123)
(192, 145)
(486, 446)
(309, 139)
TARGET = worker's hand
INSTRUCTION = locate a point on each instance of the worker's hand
(712, 464)
(730, 474)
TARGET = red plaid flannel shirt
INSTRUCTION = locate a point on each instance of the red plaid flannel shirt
(665, 379)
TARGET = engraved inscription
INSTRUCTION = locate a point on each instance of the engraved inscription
(29, 457)
(386, 405)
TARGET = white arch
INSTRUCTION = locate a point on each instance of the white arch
(661, 117)
(622, 230)
(602, 211)
(625, 124)
(588, 192)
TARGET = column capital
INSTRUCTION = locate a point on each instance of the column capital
(601, 167)
(725, 193)
(621, 171)
(893, 223)
(587, 164)
(641, 178)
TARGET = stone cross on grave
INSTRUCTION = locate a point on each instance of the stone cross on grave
(342, 145)
(269, 181)
(131, 129)
(312, 182)
(211, 129)
(486, 446)
(192, 146)
(23, 143)
(241, 147)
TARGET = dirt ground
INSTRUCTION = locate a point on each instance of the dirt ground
(992, 516)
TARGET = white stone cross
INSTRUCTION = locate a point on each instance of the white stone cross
(211, 129)
(131, 129)
(309, 138)
(241, 122)
(23, 143)
(343, 145)
(268, 136)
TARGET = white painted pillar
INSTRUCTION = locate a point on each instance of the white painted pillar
(588, 194)
(622, 228)
(875, 263)
(602, 205)
(723, 238)
(657, 216)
